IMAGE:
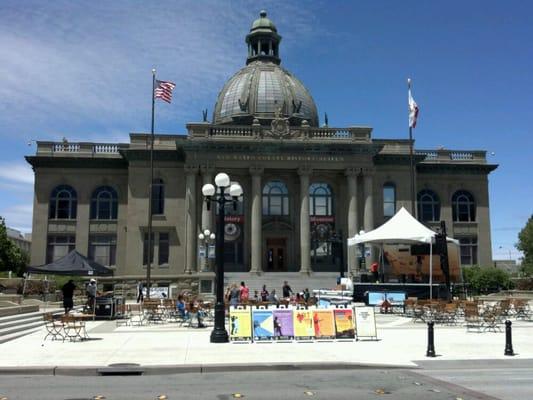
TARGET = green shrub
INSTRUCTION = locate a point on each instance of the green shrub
(482, 280)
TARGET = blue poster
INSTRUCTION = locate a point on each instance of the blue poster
(263, 321)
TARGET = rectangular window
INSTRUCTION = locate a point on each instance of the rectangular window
(145, 249)
(103, 249)
(468, 250)
(59, 246)
(389, 201)
(163, 248)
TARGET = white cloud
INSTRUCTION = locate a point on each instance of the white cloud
(68, 64)
(19, 217)
(19, 173)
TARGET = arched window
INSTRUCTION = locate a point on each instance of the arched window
(104, 203)
(389, 200)
(158, 197)
(463, 206)
(275, 198)
(320, 199)
(63, 203)
(428, 206)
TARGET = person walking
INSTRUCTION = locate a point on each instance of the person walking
(140, 294)
(68, 294)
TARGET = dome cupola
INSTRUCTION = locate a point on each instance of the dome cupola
(263, 90)
(263, 40)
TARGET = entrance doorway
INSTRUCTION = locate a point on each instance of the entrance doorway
(276, 256)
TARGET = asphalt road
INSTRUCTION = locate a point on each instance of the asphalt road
(437, 382)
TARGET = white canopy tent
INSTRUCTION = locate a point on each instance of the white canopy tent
(402, 228)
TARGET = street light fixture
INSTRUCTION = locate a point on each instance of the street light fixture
(222, 181)
(206, 238)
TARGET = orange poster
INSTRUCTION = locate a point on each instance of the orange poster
(324, 324)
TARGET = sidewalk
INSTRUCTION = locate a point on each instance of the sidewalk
(173, 349)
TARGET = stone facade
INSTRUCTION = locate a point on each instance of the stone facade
(304, 186)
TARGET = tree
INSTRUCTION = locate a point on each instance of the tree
(486, 279)
(11, 257)
(525, 245)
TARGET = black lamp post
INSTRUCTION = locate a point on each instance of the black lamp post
(222, 181)
(336, 239)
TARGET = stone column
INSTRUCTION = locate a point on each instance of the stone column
(305, 226)
(369, 208)
(207, 216)
(353, 223)
(190, 229)
(257, 224)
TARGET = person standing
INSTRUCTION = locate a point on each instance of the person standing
(234, 295)
(91, 294)
(264, 293)
(68, 294)
(374, 268)
(287, 291)
(140, 294)
(245, 293)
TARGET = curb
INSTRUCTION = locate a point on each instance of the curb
(193, 368)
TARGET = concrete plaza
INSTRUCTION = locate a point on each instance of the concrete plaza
(161, 348)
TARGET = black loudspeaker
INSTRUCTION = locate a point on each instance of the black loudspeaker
(364, 278)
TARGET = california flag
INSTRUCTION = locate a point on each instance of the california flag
(413, 111)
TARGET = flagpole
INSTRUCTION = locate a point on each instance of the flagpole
(149, 262)
(411, 162)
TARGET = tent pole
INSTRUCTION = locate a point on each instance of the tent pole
(95, 295)
(431, 269)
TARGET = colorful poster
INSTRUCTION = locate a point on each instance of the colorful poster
(365, 322)
(344, 324)
(263, 324)
(283, 324)
(240, 324)
(303, 324)
(324, 324)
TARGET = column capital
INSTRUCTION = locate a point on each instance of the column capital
(207, 169)
(256, 170)
(367, 171)
(190, 169)
(352, 171)
(305, 171)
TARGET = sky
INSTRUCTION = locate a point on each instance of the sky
(82, 70)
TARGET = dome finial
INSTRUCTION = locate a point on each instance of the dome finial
(263, 14)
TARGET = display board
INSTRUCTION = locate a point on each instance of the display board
(303, 324)
(283, 324)
(394, 298)
(263, 322)
(344, 325)
(324, 324)
(240, 324)
(365, 322)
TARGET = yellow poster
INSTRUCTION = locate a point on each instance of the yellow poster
(324, 324)
(303, 324)
(240, 323)
(344, 323)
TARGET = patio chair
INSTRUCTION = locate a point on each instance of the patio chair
(74, 329)
(136, 315)
(54, 328)
(472, 318)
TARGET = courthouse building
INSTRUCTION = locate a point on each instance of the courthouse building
(307, 186)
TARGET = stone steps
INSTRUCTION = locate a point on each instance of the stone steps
(15, 326)
(297, 281)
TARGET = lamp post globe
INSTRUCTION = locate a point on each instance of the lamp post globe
(222, 180)
(212, 236)
(208, 190)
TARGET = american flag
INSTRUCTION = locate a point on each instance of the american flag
(163, 90)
